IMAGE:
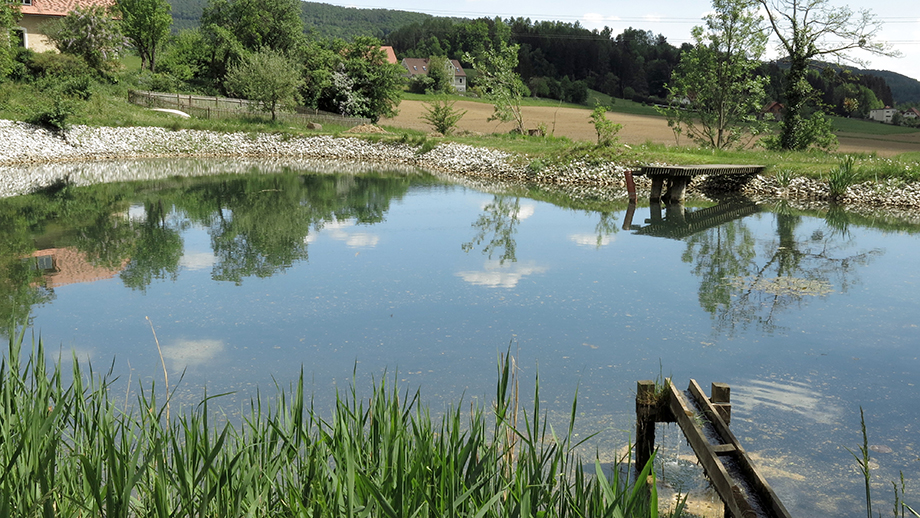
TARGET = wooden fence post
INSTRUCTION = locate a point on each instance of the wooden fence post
(646, 410)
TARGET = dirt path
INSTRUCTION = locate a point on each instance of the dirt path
(637, 129)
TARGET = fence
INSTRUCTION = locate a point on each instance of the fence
(204, 107)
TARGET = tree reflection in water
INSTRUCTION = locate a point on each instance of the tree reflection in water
(496, 227)
(742, 285)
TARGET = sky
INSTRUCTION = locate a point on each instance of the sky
(673, 19)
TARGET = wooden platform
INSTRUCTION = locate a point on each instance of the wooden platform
(704, 421)
(678, 178)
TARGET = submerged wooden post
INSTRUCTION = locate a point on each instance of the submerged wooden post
(646, 416)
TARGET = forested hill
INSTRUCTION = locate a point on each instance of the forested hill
(904, 89)
(558, 60)
(324, 20)
(332, 21)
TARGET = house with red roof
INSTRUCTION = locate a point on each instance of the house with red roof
(36, 13)
(391, 54)
(419, 67)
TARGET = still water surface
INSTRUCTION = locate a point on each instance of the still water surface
(808, 315)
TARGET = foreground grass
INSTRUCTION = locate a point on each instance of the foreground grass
(68, 449)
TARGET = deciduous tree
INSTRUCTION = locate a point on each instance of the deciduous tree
(89, 32)
(146, 23)
(267, 77)
(714, 91)
(816, 30)
(499, 83)
(9, 18)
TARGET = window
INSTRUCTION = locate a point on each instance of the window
(26, 2)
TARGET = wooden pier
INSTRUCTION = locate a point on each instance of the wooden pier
(678, 177)
(704, 422)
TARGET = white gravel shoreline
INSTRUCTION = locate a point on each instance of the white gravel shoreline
(32, 157)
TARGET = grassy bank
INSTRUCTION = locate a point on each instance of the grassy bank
(69, 449)
(105, 104)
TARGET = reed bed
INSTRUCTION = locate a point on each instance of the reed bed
(69, 449)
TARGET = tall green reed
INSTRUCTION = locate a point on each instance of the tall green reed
(68, 449)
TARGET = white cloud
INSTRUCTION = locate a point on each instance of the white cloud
(336, 229)
(497, 275)
(197, 260)
(591, 240)
(523, 211)
(192, 353)
(361, 240)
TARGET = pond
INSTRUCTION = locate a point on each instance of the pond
(247, 279)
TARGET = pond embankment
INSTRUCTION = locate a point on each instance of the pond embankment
(27, 150)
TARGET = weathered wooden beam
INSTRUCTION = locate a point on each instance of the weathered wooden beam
(715, 470)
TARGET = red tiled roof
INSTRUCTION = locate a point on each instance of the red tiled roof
(391, 54)
(61, 7)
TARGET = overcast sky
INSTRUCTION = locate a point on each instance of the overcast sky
(673, 19)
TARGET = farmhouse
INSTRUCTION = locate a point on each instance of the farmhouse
(419, 66)
(885, 114)
(36, 13)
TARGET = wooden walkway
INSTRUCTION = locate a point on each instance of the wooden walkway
(678, 177)
(704, 421)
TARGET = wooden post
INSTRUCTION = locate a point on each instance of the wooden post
(657, 183)
(630, 186)
(646, 410)
(721, 399)
(630, 213)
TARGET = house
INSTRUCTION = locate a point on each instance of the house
(885, 114)
(912, 113)
(419, 66)
(391, 54)
(36, 13)
(773, 111)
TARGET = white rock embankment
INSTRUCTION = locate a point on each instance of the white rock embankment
(32, 157)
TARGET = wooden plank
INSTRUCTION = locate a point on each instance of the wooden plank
(758, 483)
(714, 468)
(696, 170)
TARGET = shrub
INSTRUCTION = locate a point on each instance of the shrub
(55, 116)
(605, 128)
(843, 176)
(442, 116)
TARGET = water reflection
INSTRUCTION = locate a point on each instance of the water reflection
(496, 274)
(497, 225)
(802, 399)
(713, 299)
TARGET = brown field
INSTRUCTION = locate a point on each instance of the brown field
(637, 129)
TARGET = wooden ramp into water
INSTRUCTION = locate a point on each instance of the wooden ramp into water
(704, 422)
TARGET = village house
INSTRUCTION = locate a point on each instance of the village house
(391, 54)
(885, 114)
(36, 13)
(419, 66)
(772, 111)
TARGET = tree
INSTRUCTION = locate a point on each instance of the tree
(499, 83)
(231, 28)
(809, 30)
(268, 77)
(442, 116)
(146, 23)
(90, 33)
(440, 71)
(715, 91)
(362, 83)
(9, 19)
